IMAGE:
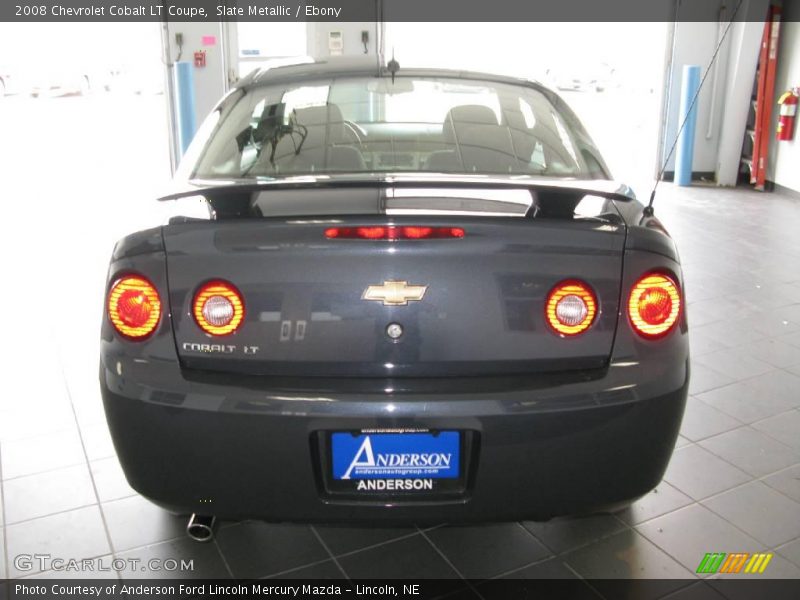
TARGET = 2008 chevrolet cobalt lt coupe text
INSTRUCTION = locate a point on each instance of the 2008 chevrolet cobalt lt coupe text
(416, 297)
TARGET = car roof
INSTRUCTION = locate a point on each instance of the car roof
(364, 67)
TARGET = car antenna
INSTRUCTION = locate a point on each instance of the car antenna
(648, 210)
(393, 66)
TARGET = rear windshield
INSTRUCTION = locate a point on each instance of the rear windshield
(374, 125)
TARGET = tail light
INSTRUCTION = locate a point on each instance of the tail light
(134, 307)
(571, 307)
(392, 233)
(218, 308)
(654, 305)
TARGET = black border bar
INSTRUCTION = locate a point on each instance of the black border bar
(388, 10)
(734, 588)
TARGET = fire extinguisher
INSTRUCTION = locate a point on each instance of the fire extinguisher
(788, 104)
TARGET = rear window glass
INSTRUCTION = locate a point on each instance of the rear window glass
(374, 125)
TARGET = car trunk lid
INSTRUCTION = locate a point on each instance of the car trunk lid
(322, 305)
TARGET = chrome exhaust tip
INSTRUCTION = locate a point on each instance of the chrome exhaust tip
(200, 528)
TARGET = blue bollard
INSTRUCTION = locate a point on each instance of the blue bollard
(185, 105)
(685, 151)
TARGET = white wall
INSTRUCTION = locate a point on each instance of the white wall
(720, 127)
(317, 38)
(745, 43)
(694, 45)
(210, 82)
(784, 157)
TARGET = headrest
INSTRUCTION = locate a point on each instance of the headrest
(318, 115)
(472, 113)
(324, 123)
(466, 115)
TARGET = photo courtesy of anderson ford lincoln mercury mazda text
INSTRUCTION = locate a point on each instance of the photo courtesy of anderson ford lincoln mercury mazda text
(417, 297)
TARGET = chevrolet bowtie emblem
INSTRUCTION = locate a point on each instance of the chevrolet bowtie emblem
(394, 293)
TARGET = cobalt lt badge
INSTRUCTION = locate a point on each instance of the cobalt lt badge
(394, 293)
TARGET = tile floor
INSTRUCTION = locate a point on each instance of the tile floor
(733, 483)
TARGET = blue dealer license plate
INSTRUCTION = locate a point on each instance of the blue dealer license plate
(396, 455)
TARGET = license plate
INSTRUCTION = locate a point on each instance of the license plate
(396, 456)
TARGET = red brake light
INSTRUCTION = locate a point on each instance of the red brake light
(654, 305)
(391, 232)
(218, 308)
(370, 233)
(417, 233)
(134, 307)
(571, 308)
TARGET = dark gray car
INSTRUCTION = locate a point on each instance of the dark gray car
(417, 297)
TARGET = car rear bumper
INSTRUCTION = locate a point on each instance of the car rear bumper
(236, 449)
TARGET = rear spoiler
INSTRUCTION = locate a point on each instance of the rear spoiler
(396, 196)
(610, 189)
